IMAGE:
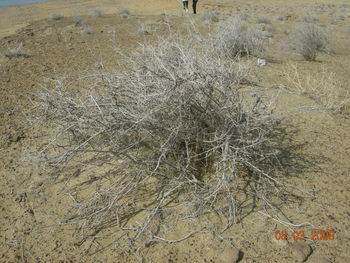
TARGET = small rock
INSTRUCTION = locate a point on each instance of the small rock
(301, 251)
(230, 255)
(261, 62)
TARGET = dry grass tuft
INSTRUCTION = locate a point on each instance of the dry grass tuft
(322, 87)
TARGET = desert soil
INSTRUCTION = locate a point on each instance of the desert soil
(31, 208)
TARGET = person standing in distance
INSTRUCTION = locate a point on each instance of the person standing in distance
(185, 4)
(194, 6)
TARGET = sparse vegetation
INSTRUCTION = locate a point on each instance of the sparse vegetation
(16, 52)
(308, 40)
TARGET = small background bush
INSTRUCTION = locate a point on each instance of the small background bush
(97, 13)
(16, 52)
(124, 13)
(307, 19)
(308, 40)
(263, 20)
(234, 38)
(56, 16)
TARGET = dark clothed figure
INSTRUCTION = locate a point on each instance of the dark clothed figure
(185, 4)
(194, 6)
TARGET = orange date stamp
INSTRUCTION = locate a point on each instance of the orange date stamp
(300, 235)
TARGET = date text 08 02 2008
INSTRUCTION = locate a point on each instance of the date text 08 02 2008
(300, 235)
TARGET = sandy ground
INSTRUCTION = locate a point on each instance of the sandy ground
(31, 208)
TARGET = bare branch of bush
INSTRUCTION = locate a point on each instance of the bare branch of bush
(308, 40)
(172, 141)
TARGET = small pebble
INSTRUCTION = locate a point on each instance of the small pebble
(229, 255)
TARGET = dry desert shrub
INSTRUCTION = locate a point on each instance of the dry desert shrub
(308, 40)
(281, 18)
(234, 38)
(345, 6)
(323, 87)
(124, 13)
(307, 19)
(337, 19)
(263, 20)
(144, 30)
(97, 13)
(210, 17)
(56, 16)
(85, 29)
(79, 22)
(244, 17)
(172, 141)
(16, 52)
